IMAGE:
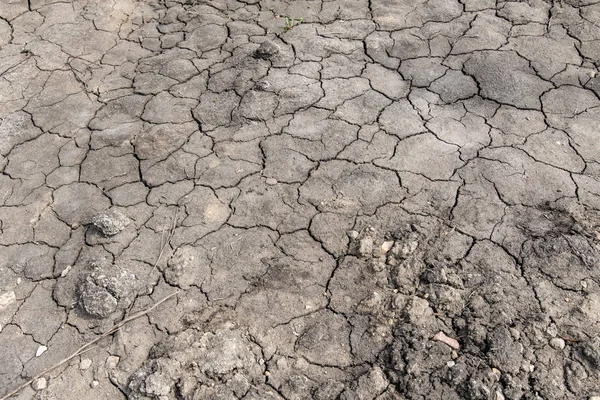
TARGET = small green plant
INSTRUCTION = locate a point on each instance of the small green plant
(291, 22)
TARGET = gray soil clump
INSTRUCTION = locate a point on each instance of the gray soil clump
(266, 50)
(110, 222)
(106, 289)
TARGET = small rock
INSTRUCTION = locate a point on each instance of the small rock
(94, 384)
(552, 330)
(112, 362)
(515, 333)
(266, 50)
(271, 181)
(85, 363)
(499, 395)
(496, 373)
(39, 384)
(441, 337)
(366, 246)
(110, 222)
(557, 343)
(40, 350)
(352, 234)
(66, 271)
(387, 246)
(450, 364)
(6, 299)
(262, 85)
(584, 285)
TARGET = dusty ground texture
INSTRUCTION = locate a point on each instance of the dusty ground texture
(355, 199)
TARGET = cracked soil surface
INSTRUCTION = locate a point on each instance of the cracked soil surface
(350, 199)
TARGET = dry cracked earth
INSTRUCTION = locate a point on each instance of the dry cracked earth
(350, 199)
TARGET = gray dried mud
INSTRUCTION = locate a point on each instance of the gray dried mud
(352, 199)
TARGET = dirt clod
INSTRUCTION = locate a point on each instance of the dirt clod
(110, 222)
(106, 289)
(266, 50)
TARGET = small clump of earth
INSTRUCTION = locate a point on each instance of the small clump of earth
(106, 289)
(110, 222)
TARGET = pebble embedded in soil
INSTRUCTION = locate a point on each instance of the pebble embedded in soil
(557, 343)
(387, 246)
(112, 362)
(39, 384)
(40, 350)
(352, 234)
(65, 271)
(85, 364)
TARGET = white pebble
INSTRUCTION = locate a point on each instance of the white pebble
(85, 363)
(39, 384)
(112, 361)
(352, 234)
(387, 246)
(40, 350)
(557, 343)
(65, 271)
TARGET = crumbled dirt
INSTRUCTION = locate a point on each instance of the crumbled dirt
(110, 222)
(350, 199)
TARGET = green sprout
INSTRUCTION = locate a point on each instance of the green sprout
(291, 22)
